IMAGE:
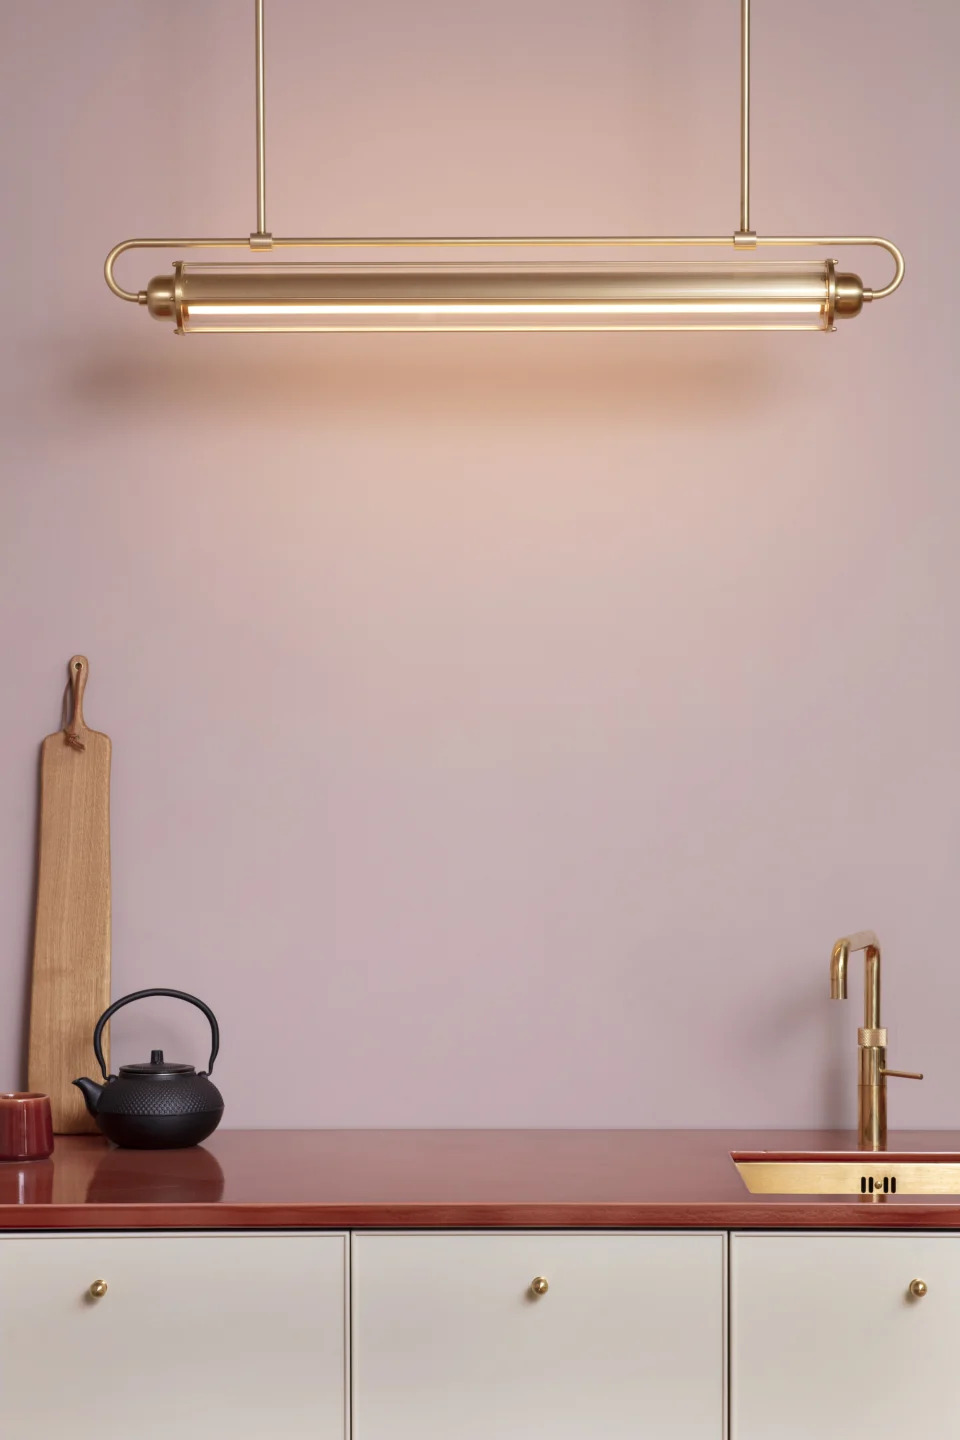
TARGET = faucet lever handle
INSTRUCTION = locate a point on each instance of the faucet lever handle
(902, 1074)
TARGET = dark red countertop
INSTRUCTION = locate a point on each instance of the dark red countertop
(668, 1179)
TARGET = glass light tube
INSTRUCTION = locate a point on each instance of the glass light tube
(215, 298)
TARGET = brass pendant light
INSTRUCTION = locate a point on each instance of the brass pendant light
(398, 296)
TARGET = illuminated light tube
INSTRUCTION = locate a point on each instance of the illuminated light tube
(213, 299)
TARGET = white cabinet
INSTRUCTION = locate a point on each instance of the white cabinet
(198, 1337)
(627, 1343)
(246, 1336)
(828, 1342)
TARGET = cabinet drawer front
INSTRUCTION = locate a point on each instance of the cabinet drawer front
(450, 1340)
(827, 1340)
(196, 1336)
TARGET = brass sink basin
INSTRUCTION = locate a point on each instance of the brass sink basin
(851, 1172)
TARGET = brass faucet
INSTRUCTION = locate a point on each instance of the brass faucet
(872, 1087)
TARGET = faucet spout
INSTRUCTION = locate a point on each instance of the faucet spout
(872, 1037)
(867, 941)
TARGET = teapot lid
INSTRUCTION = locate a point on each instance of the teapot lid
(158, 1066)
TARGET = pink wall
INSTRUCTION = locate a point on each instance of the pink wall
(504, 727)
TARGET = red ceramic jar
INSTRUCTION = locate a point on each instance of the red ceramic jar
(26, 1126)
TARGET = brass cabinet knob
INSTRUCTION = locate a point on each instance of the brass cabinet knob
(539, 1285)
(918, 1288)
(98, 1289)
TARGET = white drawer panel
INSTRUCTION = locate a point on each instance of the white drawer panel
(226, 1336)
(828, 1344)
(627, 1344)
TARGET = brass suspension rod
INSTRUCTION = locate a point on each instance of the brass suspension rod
(744, 117)
(261, 232)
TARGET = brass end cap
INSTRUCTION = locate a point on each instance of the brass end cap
(161, 297)
(849, 299)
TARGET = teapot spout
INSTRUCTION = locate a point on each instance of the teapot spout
(91, 1092)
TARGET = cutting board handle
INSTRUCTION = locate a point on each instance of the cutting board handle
(79, 669)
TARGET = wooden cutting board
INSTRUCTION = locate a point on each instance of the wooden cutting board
(71, 948)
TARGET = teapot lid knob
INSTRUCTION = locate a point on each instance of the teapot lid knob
(156, 1057)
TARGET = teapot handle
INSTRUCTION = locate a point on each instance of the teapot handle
(142, 995)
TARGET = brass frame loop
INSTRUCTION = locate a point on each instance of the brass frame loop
(667, 242)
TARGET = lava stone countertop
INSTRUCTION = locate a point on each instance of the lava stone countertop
(351, 1179)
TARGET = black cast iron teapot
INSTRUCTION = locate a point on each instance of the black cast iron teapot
(159, 1105)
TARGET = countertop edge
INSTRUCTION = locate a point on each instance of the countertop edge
(667, 1216)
